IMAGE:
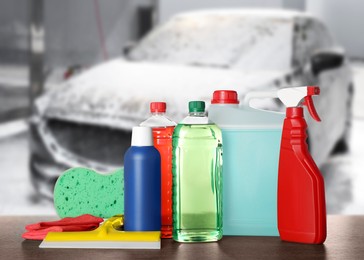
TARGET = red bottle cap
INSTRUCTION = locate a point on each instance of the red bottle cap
(225, 97)
(158, 107)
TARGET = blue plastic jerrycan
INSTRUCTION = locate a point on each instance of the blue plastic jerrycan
(251, 140)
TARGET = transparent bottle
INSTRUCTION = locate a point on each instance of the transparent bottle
(162, 137)
(197, 178)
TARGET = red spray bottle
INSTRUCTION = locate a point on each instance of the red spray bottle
(301, 191)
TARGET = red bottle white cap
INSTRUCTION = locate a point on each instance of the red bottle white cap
(225, 97)
(142, 136)
(158, 107)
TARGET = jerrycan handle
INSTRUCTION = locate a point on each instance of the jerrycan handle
(259, 94)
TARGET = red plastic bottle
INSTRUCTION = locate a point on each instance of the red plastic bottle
(162, 136)
(301, 190)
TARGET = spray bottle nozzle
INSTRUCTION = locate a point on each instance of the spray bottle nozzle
(292, 97)
(311, 91)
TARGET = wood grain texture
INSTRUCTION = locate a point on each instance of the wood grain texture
(345, 241)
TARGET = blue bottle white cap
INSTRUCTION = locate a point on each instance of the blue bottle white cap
(142, 136)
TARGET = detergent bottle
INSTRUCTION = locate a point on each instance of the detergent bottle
(142, 183)
(162, 135)
(197, 173)
(251, 140)
(301, 190)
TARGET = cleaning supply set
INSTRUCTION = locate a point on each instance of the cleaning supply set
(226, 169)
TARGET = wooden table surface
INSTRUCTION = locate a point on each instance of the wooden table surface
(345, 241)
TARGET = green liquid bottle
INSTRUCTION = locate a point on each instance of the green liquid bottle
(197, 178)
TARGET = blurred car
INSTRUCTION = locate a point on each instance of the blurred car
(87, 120)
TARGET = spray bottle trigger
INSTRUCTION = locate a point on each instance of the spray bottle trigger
(311, 108)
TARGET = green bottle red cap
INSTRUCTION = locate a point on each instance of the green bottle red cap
(225, 97)
(196, 106)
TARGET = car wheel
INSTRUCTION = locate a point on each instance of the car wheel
(342, 145)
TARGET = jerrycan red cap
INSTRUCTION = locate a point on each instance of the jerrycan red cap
(158, 107)
(225, 97)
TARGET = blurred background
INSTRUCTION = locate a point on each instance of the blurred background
(76, 75)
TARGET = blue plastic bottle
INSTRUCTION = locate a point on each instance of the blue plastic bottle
(142, 183)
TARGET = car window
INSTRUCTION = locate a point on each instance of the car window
(223, 41)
